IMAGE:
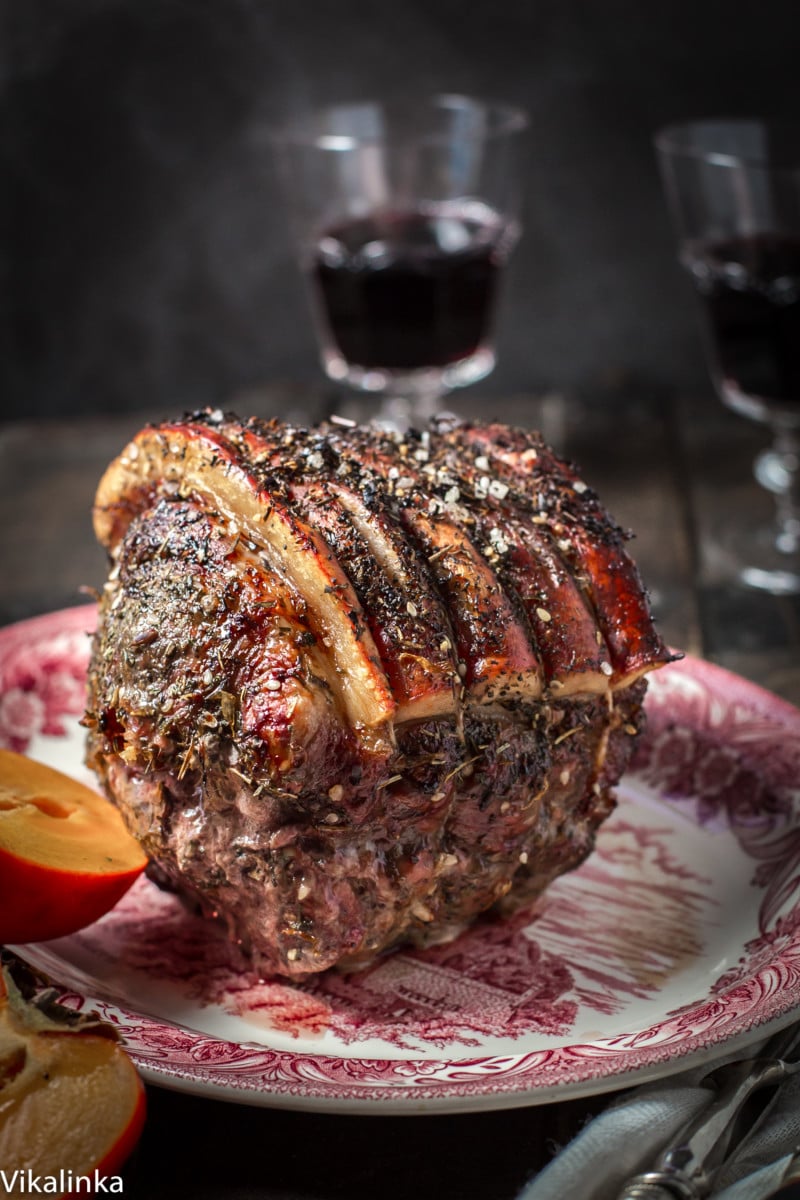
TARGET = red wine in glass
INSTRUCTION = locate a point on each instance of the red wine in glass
(403, 291)
(750, 289)
(732, 190)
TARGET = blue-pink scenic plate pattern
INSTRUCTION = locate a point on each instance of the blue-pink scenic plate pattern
(675, 942)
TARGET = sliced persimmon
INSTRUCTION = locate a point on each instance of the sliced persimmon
(66, 856)
(71, 1100)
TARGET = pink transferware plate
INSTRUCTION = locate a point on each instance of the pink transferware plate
(676, 942)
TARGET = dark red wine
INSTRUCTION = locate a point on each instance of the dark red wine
(750, 288)
(408, 290)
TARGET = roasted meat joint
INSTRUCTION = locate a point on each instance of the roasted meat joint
(349, 690)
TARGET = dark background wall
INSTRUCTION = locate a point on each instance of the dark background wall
(145, 257)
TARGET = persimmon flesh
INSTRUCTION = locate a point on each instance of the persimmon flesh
(66, 857)
(71, 1099)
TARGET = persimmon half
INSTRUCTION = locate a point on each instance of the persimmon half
(71, 1101)
(66, 856)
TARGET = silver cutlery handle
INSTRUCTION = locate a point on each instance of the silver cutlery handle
(658, 1185)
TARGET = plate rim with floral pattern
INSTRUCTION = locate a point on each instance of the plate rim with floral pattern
(721, 754)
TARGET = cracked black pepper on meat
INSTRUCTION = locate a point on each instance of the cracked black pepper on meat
(351, 690)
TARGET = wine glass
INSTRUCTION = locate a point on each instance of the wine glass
(405, 215)
(733, 189)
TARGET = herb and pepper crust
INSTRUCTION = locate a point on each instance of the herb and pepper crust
(351, 690)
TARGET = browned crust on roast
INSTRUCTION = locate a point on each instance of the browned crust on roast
(323, 691)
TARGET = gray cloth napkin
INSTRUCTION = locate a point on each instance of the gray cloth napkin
(628, 1137)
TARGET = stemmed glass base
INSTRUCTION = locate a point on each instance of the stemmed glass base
(764, 569)
(398, 400)
(772, 553)
(393, 413)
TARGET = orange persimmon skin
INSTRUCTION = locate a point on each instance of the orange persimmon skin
(65, 855)
(38, 903)
(128, 1140)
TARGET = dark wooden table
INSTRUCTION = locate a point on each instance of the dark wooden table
(669, 469)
